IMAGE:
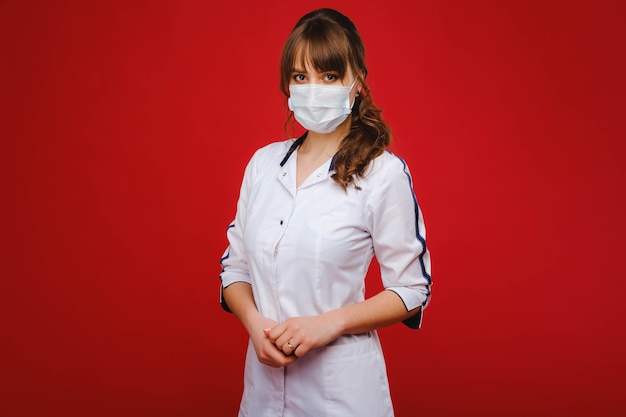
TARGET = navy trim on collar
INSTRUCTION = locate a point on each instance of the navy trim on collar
(295, 145)
(332, 163)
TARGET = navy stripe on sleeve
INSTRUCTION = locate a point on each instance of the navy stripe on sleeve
(226, 256)
(415, 321)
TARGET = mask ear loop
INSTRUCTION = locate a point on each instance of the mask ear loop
(355, 94)
(358, 93)
(352, 85)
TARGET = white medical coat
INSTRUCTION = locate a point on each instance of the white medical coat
(306, 251)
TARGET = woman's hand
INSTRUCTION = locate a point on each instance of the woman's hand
(239, 298)
(266, 350)
(298, 335)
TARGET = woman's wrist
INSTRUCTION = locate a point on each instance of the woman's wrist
(249, 318)
(337, 320)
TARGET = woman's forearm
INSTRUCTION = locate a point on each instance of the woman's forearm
(381, 310)
(298, 335)
(240, 300)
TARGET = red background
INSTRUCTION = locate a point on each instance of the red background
(125, 129)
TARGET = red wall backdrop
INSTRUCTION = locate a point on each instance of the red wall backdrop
(125, 129)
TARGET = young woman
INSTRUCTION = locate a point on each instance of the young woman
(312, 212)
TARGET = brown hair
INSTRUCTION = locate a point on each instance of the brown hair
(329, 41)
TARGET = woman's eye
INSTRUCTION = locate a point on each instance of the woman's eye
(298, 77)
(330, 77)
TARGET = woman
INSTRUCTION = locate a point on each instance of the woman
(311, 214)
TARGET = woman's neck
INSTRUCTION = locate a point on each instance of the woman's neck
(318, 144)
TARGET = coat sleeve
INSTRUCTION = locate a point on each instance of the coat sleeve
(399, 236)
(234, 263)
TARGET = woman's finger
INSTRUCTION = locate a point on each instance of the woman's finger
(275, 332)
(289, 347)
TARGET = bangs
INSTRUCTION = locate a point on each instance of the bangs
(324, 43)
(323, 50)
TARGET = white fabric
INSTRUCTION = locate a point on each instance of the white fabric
(320, 108)
(306, 251)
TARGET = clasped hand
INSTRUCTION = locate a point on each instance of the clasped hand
(281, 343)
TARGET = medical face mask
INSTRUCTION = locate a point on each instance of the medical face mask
(320, 108)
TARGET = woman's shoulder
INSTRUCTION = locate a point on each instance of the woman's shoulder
(273, 150)
(270, 154)
(387, 177)
(387, 165)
